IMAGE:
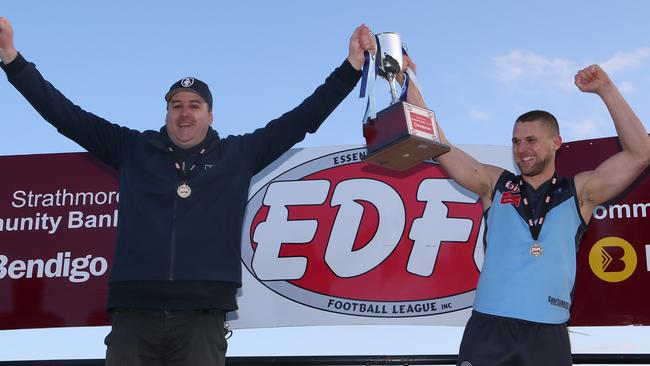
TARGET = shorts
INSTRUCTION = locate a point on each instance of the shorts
(491, 340)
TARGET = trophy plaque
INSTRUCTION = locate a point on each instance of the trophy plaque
(401, 135)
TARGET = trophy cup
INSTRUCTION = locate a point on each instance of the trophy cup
(402, 135)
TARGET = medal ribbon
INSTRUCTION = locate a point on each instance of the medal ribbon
(183, 174)
(535, 229)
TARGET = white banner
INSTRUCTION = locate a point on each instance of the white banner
(328, 240)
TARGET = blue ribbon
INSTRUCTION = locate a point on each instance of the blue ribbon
(368, 82)
(405, 86)
(364, 76)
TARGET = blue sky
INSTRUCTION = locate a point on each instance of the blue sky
(480, 65)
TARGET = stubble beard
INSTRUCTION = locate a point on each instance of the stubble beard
(534, 170)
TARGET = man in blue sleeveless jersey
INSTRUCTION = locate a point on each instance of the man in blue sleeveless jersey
(535, 221)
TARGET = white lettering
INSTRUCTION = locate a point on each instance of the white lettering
(77, 274)
(38, 222)
(640, 206)
(3, 266)
(19, 199)
(54, 266)
(75, 219)
(61, 197)
(340, 255)
(348, 253)
(98, 266)
(76, 270)
(621, 211)
(426, 242)
(617, 211)
(278, 229)
(100, 198)
(17, 269)
(600, 212)
(54, 223)
(39, 264)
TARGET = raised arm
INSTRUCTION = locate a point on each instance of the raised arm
(7, 49)
(105, 140)
(461, 167)
(616, 173)
(266, 144)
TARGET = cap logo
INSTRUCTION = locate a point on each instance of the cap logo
(187, 82)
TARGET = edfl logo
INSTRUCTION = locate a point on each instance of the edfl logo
(339, 235)
(612, 259)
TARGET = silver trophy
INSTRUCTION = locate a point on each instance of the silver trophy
(389, 59)
(402, 135)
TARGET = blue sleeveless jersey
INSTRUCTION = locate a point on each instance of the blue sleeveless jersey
(513, 282)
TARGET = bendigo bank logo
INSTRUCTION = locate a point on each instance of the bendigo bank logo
(612, 259)
(337, 234)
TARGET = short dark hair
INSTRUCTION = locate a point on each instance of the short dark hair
(546, 118)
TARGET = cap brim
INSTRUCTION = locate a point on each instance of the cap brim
(173, 92)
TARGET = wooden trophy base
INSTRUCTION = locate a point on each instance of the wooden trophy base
(402, 136)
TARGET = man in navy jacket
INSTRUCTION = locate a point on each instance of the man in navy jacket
(183, 192)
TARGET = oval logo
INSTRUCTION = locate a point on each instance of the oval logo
(340, 235)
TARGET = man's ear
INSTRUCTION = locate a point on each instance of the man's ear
(557, 142)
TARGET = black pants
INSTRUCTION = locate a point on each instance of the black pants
(497, 341)
(170, 338)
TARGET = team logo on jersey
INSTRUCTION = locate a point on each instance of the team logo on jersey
(512, 187)
(337, 234)
(511, 196)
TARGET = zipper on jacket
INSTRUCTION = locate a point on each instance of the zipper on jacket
(172, 252)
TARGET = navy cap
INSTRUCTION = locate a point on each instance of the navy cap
(192, 85)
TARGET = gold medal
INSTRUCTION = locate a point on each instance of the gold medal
(536, 250)
(183, 191)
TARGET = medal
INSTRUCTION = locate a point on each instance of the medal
(183, 191)
(536, 250)
(535, 226)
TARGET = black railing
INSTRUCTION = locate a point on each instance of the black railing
(578, 359)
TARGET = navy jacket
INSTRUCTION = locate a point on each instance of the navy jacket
(161, 237)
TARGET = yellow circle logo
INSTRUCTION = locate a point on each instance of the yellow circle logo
(612, 259)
